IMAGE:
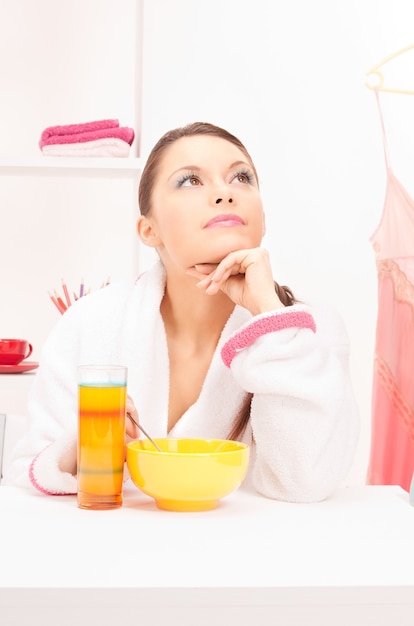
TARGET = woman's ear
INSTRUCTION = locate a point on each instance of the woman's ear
(146, 232)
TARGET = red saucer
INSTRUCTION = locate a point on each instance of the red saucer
(19, 368)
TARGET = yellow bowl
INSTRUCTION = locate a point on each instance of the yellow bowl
(189, 474)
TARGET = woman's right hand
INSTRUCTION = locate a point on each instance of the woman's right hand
(245, 276)
(131, 429)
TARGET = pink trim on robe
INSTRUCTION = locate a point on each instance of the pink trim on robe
(262, 326)
(36, 484)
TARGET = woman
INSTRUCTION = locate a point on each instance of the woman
(214, 347)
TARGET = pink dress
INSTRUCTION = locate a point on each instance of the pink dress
(392, 442)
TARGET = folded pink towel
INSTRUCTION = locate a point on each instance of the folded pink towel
(88, 131)
(107, 147)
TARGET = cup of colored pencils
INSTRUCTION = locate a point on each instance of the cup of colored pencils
(65, 300)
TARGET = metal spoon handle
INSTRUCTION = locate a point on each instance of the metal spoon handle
(143, 432)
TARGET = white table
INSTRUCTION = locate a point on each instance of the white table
(348, 561)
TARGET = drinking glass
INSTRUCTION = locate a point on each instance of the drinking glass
(101, 435)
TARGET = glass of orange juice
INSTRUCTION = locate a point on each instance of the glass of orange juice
(101, 435)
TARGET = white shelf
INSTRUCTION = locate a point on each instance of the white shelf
(121, 164)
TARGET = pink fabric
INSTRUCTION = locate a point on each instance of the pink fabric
(88, 131)
(268, 324)
(107, 147)
(36, 484)
(391, 459)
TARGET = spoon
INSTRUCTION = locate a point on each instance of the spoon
(144, 433)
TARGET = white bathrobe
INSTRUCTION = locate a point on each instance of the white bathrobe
(304, 422)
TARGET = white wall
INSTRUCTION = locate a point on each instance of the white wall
(287, 77)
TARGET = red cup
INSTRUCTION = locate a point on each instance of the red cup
(13, 351)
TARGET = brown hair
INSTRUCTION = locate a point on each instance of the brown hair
(146, 185)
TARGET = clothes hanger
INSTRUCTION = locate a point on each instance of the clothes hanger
(379, 78)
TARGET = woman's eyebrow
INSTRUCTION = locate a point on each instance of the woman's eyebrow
(197, 168)
(192, 168)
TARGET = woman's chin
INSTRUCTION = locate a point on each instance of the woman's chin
(214, 257)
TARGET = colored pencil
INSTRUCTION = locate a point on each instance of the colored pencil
(56, 303)
(65, 291)
(59, 299)
(59, 302)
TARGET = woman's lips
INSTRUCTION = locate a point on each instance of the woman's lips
(226, 220)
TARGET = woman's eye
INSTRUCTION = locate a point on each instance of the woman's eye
(244, 177)
(188, 180)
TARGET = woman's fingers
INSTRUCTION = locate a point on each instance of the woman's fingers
(131, 429)
(233, 265)
(245, 276)
(212, 275)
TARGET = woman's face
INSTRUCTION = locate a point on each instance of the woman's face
(205, 202)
